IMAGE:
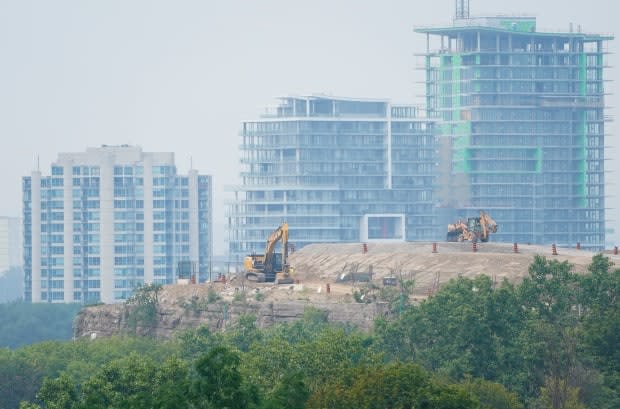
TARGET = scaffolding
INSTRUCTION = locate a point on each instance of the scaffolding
(520, 126)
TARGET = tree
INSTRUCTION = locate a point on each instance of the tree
(219, 383)
(122, 383)
(395, 385)
(460, 330)
(492, 395)
(59, 393)
(600, 337)
(551, 291)
(24, 323)
(291, 392)
(557, 394)
(171, 384)
(142, 309)
(243, 332)
(19, 379)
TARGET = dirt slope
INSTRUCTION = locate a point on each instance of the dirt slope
(323, 263)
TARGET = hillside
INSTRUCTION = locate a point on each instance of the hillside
(322, 263)
(218, 305)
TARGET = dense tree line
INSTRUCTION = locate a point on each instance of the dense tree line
(23, 323)
(11, 284)
(549, 342)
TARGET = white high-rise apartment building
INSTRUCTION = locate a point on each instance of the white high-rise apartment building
(338, 170)
(110, 219)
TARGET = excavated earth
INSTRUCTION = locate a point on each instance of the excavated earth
(317, 266)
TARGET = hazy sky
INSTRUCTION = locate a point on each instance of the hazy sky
(181, 75)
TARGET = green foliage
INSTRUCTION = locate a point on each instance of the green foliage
(551, 291)
(601, 298)
(360, 297)
(197, 341)
(455, 332)
(548, 342)
(59, 393)
(492, 395)
(219, 383)
(212, 296)
(22, 371)
(601, 331)
(558, 394)
(239, 296)
(24, 323)
(397, 297)
(142, 309)
(396, 385)
(259, 297)
(243, 332)
(19, 378)
(291, 392)
(195, 305)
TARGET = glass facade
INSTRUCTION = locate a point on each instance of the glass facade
(94, 232)
(520, 126)
(325, 165)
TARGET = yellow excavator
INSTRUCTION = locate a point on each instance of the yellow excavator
(271, 266)
(476, 229)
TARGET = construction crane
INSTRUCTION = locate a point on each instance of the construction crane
(270, 266)
(476, 229)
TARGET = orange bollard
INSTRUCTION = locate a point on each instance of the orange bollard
(434, 247)
(554, 250)
(515, 248)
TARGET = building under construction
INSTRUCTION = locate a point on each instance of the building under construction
(337, 170)
(514, 124)
(520, 125)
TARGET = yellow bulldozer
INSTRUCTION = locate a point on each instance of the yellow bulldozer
(270, 266)
(476, 229)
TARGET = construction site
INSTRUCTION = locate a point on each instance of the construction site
(333, 278)
(346, 268)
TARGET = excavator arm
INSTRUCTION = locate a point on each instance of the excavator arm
(488, 225)
(263, 267)
(281, 233)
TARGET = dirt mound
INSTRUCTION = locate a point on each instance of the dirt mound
(416, 261)
(345, 267)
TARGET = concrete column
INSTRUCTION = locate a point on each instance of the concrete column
(193, 216)
(67, 187)
(388, 135)
(106, 228)
(35, 179)
(148, 219)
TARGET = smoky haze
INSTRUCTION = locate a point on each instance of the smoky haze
(180, 76)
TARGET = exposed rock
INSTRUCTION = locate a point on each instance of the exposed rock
(318, 267)
(108, 320)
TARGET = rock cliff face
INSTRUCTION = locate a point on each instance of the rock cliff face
(108, 320)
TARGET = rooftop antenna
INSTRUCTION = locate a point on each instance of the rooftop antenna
(462, 9)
